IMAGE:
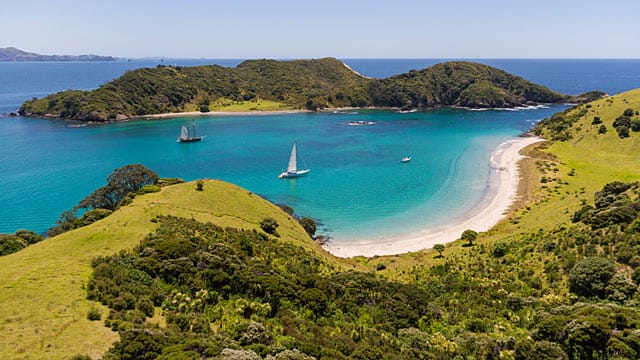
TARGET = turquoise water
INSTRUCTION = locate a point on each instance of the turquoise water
(357, 186)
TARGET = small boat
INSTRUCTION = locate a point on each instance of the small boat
(292, 169)
(406, 159)
(188, 136)
(360, 123)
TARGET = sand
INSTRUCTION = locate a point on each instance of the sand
(219, 113)
(502, 192)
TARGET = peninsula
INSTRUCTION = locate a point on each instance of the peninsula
(293, 85)
(13, 54)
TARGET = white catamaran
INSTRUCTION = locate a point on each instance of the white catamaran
(292, 170)
(188, 136)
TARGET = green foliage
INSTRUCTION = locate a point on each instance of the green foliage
(199, 185)
(11, 243)
(309, 225)
(628, 112)
(269, 225)
(591, 276)
(94, 314)
(439, 248)
(309, 84)
(469, 236)
(122, 186)
(602, 129)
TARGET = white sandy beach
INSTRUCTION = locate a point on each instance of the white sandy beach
(503, 188)
(219, 113)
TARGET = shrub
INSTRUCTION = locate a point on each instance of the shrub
(381, 267)
(635, 125)
(623, 131)
(309, 225)
(591, 276)
(204, 108)
(628, 112)
(499, 250)
(602, 129)
(199, 185)
(94, 314)
(269, 226)
(596, 121)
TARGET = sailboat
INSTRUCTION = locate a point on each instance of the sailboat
(292, 170)
(188, 136)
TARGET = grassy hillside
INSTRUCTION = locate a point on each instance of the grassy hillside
(297, 84)
(525, 289)
(43, 311)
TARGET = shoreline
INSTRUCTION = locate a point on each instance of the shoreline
(218, 113)
(502, 189)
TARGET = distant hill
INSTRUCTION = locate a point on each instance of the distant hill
(298, 84)
(13, 54)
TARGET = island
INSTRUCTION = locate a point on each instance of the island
(293, 85)
(13, 54)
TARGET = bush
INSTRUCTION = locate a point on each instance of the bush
(499, 250)
(309, 225)
(591, 276)
(199, 185)
(628, 112)
(204, 108)
(635, 125)
(94, 314)
(596, 121)
(623, 132)
(602, 129)
(269, 226)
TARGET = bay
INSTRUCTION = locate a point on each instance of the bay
(357, 186)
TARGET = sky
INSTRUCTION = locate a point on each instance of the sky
(240, 29)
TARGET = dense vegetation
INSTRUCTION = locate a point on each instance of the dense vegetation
(245, 293)
(10, 243)
(298, 84)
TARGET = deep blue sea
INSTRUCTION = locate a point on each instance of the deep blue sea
(357, 186)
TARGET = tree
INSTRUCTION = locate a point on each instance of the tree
(122, 181)
(591, 276)
(309, 225)
(470, 236)
(439, 248)
(199, 185)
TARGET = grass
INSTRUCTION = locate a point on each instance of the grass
(223, 104)
(43, 311)
(595, 159)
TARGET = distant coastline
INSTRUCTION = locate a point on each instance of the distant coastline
(11, 54)
(501, 193)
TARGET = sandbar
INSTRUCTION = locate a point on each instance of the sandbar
(502, 191)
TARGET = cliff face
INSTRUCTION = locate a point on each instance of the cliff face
(298, 84)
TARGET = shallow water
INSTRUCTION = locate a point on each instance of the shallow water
(357, 186)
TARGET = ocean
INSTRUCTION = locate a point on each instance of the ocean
(357, 187)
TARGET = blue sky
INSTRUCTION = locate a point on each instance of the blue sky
(343, 29)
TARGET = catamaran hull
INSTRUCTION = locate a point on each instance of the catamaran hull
(289, 175)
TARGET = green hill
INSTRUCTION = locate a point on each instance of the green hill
(297, 84)
(43, 306)
(558, 280)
